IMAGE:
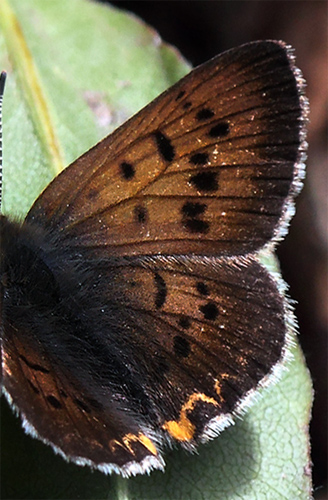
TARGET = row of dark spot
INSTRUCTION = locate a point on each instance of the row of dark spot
(209, 310)
(191, 212)
(181, 344)
(221, 129)
(166, 150)
(52, 400)
(192, 220)
(161, 290)
(206, 181)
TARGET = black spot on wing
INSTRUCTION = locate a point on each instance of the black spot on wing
(199, 159)
(205, 181)
(180, 95)
(164, 145)
(191, 213)
(210, 311)
(161, 291)
(202, 288)
(197, 226)
(140, 214)
(184, 322)
(127, 170)
(204, 114)
(193, 209)
(54, 402)
(219, 130)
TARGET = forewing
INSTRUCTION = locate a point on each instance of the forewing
(209, 167)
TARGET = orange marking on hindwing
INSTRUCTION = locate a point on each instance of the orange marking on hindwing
(129, 439)
(183, 429)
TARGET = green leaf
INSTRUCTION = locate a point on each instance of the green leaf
(76, 70)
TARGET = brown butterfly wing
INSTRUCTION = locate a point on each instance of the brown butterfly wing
(205, 333)
(61, 411)
(208, 167)
(148, 347)
(174, 348)
(70, 383)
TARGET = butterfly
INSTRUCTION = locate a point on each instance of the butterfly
(136, 312)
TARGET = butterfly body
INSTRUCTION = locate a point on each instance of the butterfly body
(135, 309)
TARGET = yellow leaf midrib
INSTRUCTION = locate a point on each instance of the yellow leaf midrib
(30, 83)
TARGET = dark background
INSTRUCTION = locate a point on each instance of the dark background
(200, 30)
